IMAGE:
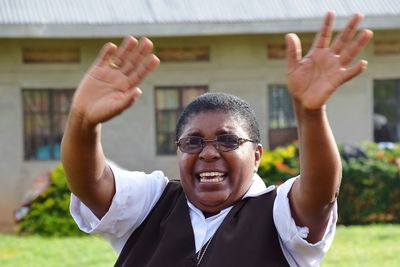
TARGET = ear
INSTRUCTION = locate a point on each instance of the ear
(257, 158)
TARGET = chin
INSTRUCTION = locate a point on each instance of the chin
(212, 203)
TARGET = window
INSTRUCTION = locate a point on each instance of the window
(50, 55)
(278, 50)
(387, 47)
(282, 121)
(170, 102)
(45, 114)
(386, 117)
(183, 54)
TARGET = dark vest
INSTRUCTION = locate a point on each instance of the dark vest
(246, 237)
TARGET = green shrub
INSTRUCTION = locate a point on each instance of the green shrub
(278, 165)
(49, 214)
(370, 188)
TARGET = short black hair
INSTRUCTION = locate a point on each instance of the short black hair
(221, 102)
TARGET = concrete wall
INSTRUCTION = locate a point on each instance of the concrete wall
(238, 65)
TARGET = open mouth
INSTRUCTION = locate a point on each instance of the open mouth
(212, 177)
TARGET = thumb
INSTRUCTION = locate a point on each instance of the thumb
(293, 51)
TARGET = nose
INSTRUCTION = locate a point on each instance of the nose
(209, 151)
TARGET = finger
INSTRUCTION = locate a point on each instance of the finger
(122, 55)
(132, 95)
(348, 54)
(293, 51)
(324, 35)
(125, 100)
(144, 47)
(350, 73)
(105, 54)
(150, 62)
(346, 34)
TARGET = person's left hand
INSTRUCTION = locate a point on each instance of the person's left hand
(315, 77)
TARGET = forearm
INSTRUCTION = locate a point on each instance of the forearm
(84, 163)
(313, 194)
(320, 164)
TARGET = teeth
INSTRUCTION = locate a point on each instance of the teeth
(205, 177)
(213, 180)
(204, 174)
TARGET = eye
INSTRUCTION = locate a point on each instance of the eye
(230, 141)
(191, 144)
(193, 140)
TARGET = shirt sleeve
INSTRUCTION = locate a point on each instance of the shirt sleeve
(296, 249)
(136, 193)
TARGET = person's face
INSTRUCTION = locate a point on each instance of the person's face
(214, 180)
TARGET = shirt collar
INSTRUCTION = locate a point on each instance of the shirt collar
(258, 187)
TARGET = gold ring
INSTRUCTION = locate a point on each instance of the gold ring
(112, 64)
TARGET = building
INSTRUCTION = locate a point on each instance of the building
(233, 46)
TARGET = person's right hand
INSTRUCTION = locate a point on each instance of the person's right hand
(110, 85)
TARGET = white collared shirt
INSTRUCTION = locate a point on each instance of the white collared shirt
(137, 193)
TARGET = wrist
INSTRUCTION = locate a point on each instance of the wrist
(300, 108)
(309, 117)
(81, 125)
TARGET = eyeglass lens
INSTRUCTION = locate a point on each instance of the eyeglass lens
(195, 144)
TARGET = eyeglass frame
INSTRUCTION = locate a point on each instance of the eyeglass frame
(214, 142)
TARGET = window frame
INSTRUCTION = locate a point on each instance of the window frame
(180, 88)
(284, 132)
(53, 115)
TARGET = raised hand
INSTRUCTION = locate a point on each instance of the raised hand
(110, 85)
(315, 77)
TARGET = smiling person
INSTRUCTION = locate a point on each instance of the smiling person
(220, 213)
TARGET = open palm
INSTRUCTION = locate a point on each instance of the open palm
(110, 85)
(315, 77)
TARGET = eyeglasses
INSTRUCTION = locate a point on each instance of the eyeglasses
(223, 142)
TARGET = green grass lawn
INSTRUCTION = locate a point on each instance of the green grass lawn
(376, 245)
(34, 251)
(365, 246)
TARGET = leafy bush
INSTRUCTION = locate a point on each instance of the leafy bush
(278, 165)
(49, 214)
(370, 188)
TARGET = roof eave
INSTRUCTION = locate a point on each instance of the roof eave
(181, 29)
